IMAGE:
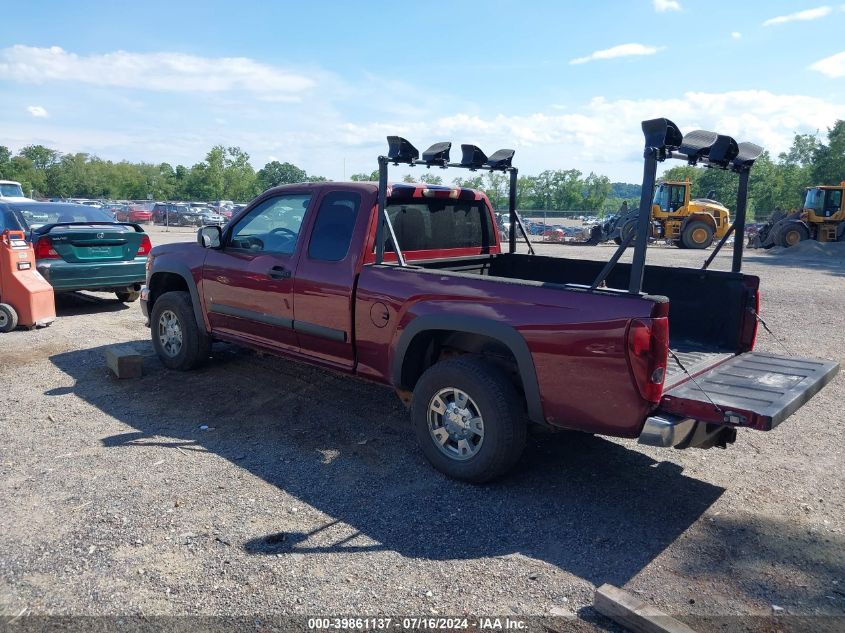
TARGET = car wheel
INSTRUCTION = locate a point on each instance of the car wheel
(178, 341)
(468, 419)
(697, 235)
(8, 318)
(127, 296)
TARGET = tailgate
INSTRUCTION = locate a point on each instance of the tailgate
(756, 390)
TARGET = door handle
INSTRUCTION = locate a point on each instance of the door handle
(279, 272)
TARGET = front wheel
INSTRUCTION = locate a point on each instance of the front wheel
(628, 230)
(177, 339)
(8, 318)
(468, 419)
(793, 233)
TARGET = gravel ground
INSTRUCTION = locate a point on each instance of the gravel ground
(260, 486)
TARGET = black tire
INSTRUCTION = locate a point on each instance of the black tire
(793, 233)
(499, 405)
(678, 244)
(617, 240)
(8, 318)
(629, 228)
(698, 235)
(127, 296)
(195, 345)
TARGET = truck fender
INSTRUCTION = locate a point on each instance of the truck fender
(698, 217)
(501, 332)
(182, 270)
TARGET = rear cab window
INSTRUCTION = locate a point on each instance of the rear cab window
(440, 222)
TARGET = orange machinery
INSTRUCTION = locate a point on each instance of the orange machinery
(26, 298)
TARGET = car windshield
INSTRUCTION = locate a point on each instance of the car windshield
(11, 190)
(39, 215)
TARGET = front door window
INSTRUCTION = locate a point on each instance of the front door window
(271, 227)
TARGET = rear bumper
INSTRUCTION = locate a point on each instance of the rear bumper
(665, 430)
(94, 275)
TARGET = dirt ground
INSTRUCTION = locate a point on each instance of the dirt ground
(261, 486)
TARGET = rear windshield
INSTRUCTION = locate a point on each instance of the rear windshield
(435, 224)
(36, 216)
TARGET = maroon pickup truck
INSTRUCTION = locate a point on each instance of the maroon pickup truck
(409, 286)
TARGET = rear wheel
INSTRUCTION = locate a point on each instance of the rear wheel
(468, 419)
(177, 339)
(8, 318)
(697, 234)
(127, 296)
(793, 233)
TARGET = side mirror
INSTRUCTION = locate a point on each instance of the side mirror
(210, 236)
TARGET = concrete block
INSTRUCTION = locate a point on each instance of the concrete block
(124, 361)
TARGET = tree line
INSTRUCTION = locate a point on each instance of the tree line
(226, 173)
(559, 190)
(775, 183)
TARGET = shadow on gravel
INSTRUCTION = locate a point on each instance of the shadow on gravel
(79, 303)
(345, 447)
(830, 265)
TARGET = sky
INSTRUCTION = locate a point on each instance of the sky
(320, 84)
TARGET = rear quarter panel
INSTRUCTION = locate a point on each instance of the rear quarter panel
(576, 339)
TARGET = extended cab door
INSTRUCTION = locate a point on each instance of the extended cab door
(248, 283)
(325, 278)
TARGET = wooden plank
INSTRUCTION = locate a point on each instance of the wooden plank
(633, 613)
(124, 361)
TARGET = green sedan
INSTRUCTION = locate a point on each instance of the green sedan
(82, 248)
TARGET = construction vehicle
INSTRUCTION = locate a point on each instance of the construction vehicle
(26, 298)
(822, 218)
(687, 223)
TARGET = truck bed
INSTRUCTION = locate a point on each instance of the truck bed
(694, 358)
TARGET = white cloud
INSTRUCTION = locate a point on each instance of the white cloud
(833, 66)
(736, 35)
(666, 5)
(800, 16)
(153, 71)
(605, 136)
(600, 134)
(38, 111)
(623, 50)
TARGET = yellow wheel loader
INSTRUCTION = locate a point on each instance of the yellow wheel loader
(822, 218)
(686, 223)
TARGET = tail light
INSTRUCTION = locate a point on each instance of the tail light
(648, 350)
(145, 246)
(44, 249)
